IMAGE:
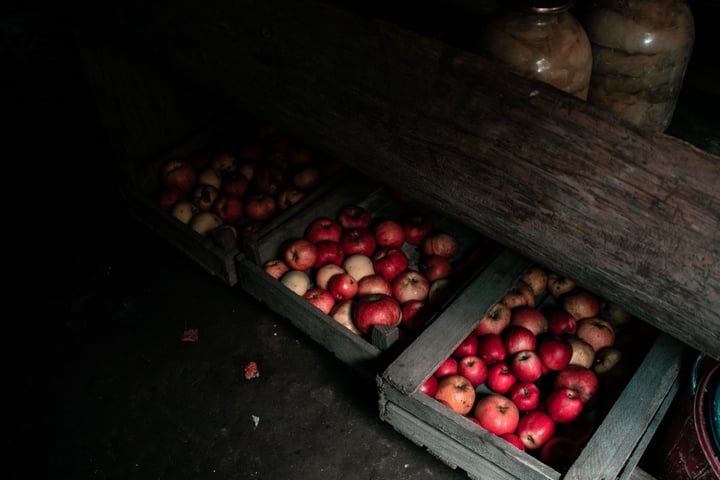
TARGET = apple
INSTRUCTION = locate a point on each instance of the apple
(184, 210)
(415, 314)
(513, 440)
(235, 184)
(449, 366)
(300, 254)
(606, 359)
(269, 178)
(247, 170)
(301, 155)
(276, 268)
(434, 267)
(323, 228)
(430, 386)
(555, 353)
(581, 379)
(583, 354)
(358, 240)
(529, 317)
(224, 163)
(560, 453)
(410, 285)
(343, 314)
(439, 243)
(520, 294)
(203, 196)
(358, 265)
(328, 252)
(517, 338)
(321, 299)
(389, 262)
(468, 346)
(563, 405)
(229, 208)
(581, 304)
(289, 197)
(439, 291)
(342, 286)
(259, 206)
(389, 233)
(495, 320)
(535, 428)
(496, 413)
(374, 283)
(457, 393)
(297, 281)
(537, 278)
(490, 348)
(376, 309)
(205, 222)
(208, 176)
(323, 274)
(526, 365)
(306, 177)
(560, 322)
(615, 314)
(178, 172)
(354, 216)
(416, 227)
(500, 377)
(597, 332)
(557, 285)
(526, 395)
(169, 196)
(473, 368)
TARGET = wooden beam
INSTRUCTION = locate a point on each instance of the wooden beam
(634, 217)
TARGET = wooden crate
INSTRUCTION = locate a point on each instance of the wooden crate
(216, 256)
(616, 445)
(369, 355)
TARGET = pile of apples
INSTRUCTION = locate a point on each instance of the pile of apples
(532, 374)
(368, 272)
(241, 185)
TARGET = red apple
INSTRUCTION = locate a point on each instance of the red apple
(358, 265)
(513, 440)
(468, 346)
(497, 414)
(416, 227)
(235, 184)
(581, 304)
(224, 163)
(259, 207)
(439, 243)
(328, 252)
(430, 386)
(389, 233)
(491, 348)
(229, 208)
(537, 278)
(555, 352)
(435, 267)
(321, 299)
(440, 291)
(354, 216)
(203, 196)
(529, 317)
(517, 338)
(526, 366)
(306, 177)
(389, 262)
(300, 254)
(323, 228)
(169, 196)
(535, 429)
(520, 294)
(473, 368)
(269, 178)
(375, 283)
(563, 405)
(410, 285)
(376, 309)
(559, 285)
(342, 286)
(560, 453)
(494, 321)
(415, 313)
(289, 197)
(449, 366)
(526, 395)
(180, 173)
(581, 379)
(323, 274)
(457, 393)
(276, 268)
(560, 322)
(500, 377)
(597, 332)
(358, 240)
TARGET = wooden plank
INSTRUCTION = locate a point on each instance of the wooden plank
(634, 215)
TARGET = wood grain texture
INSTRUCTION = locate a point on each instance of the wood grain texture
(633, 216)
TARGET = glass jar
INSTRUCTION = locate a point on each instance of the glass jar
(641, 49)
(543, 41)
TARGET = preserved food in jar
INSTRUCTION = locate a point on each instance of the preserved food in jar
(641, 49)
(545, 42)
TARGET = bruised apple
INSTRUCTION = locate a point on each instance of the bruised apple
(457, 393)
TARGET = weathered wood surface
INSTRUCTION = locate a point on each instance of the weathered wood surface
(634, 217)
